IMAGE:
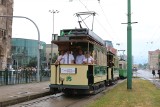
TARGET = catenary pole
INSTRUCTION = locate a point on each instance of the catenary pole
(129, 48)
(38, 51)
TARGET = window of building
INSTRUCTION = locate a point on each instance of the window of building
(2, 33)
(3, 2)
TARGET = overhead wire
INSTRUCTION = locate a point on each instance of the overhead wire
(152, 42)
(83, 4)
(97, 20)
(146, 49)
(158, 39)
(149, 44)
(106, 19)
(100, 23)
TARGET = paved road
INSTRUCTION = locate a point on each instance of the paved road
(147, 75)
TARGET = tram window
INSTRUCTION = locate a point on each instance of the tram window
(2, 2)
(120, 66)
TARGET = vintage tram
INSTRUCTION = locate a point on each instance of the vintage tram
(82, 78)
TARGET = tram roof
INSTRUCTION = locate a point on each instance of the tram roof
(80, 34)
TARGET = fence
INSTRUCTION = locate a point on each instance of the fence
(21, 77)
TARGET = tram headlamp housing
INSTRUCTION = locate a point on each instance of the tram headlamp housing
(61, 79)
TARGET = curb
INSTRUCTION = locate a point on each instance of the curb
(23, 99)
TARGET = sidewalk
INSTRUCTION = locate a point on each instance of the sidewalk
(12, 94)
(156, 82)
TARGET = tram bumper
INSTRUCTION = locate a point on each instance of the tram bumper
(69, 86)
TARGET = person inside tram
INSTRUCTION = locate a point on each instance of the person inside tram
(88, 59)
(68, 58)
(60, 59)
(80, 57)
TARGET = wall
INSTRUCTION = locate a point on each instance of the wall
(6, 8)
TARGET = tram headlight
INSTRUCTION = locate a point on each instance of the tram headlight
(61, 79)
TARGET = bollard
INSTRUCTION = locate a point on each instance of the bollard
(26, 76)
(6, 76)
(41, 75)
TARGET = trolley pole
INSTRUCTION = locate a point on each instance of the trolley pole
(129, 48)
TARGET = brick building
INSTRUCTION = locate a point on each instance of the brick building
(154, 59)
(6, 8)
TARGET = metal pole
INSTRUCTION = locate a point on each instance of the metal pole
(53, 21)
(53, 12)
(17, 63)
(52, 39)
(129, 48)
(38, 51)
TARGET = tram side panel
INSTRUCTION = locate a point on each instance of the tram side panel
(116, 68)
(112, 69)
(69, 75)
(122, 73)
(78, 74)
(78, 77)
(116, 74)
(100, 73)
(122, 69)
(110, 75)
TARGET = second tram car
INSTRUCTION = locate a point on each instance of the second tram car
(122, 69)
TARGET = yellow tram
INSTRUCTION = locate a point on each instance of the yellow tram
(81, 78)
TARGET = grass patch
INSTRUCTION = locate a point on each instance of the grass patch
(143, 94)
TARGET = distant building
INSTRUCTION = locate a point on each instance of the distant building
(108, 43)
(154, 59)
(24, 52)
(6, 8)
(48, 52)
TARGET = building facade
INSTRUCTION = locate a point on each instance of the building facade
(154, 59)
(24, 53)
(48, 53)
(6, 8)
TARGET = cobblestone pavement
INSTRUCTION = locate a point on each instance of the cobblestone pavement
(12, 94)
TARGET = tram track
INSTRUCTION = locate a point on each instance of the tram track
(62, 100)
(78, 101)
(75, 100)
(36, 101)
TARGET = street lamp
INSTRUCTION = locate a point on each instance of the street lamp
(53, 12)
(38, 51)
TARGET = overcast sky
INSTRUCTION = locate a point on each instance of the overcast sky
(107, 24)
